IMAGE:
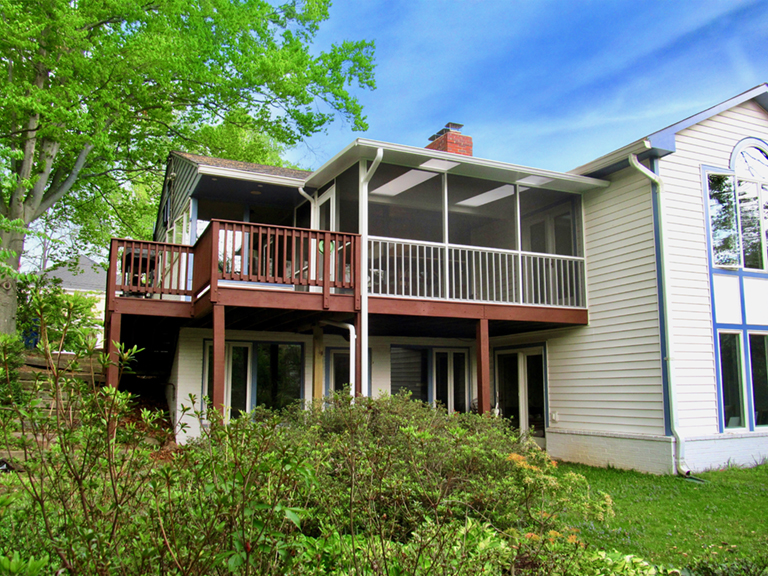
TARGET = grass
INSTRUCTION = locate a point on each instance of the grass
(672, 521)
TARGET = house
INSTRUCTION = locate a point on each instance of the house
(616, 311)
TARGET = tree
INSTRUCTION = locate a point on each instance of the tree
(95, 90)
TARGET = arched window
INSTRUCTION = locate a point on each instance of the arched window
(738, 208)
(751, 166)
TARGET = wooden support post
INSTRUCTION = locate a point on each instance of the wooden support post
(114, 321)
(318, 365)
(219, 358)
(327, 277)
(483, 367)
(358, 391)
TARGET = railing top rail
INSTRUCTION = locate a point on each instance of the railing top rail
(547, 255)
(152, 242)
(404, 241)
(475, 248)
(259, 225)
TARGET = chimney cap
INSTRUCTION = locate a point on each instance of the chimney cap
(450, 127)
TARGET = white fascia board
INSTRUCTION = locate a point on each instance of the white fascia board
(366, 149)
(250, 176)
(665, 138)
(637, 147)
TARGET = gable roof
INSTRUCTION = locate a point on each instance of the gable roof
(243, 166)
(85, 276)
(660, 143)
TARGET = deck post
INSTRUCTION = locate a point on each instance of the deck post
(114, 321)
(318, 365)
(358, 391)
(219, 354)
(483, 367)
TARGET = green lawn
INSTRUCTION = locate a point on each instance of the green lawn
(669, 520)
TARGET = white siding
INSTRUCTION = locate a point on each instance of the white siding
(708, 143)
(607, 377)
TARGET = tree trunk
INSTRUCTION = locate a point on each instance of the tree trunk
(8, 295)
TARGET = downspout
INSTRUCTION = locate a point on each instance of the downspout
(352, 355)
(311, 206)
(364, 181)
(680, 465)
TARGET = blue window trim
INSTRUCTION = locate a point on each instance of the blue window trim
(512, 348)
(743, 328)
(749, 142)
(327, 367)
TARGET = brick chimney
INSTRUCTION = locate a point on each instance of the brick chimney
(449, 139)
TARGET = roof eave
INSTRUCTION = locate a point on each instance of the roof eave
(364, 149)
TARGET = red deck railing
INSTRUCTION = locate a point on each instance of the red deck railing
(236, 252)
(147, 269)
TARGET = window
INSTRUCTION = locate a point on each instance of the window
(278, 375)
(758, 355)
(410, 371)
(738, 211)
(732, 381)
(237, 376)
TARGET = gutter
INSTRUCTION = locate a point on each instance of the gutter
(680, 465)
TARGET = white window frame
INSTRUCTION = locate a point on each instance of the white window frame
(228, 346)
(450, 376)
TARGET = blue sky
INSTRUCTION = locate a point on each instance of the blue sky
(551, 84)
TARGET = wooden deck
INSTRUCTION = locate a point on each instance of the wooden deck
(238, 265)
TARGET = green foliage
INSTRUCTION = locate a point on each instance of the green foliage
(15, 566)
(669, 520)
(98, 92)
(11, 359)
(46, 310)
(712, 564)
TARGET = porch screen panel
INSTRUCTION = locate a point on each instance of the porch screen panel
(409, 371)
(482, 213)
(758, 354)
(406, 203)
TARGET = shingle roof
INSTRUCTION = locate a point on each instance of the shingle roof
(246, 166)
(85, 277)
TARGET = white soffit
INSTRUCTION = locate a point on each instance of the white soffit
(404, 182)
(488, 197)
(437, 164)
(468, 166)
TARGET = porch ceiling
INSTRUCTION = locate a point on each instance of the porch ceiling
(412, 157)
(246, 192)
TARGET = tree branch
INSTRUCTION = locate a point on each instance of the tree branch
(49, 151)
(53, 195)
